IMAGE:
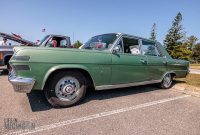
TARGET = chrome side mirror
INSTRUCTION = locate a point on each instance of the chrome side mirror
(116, 49)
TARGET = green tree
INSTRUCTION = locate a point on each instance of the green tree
(77, 44)
(191, 41)
(153, 32)
(181, 52)
(174, 38)
(196, 53)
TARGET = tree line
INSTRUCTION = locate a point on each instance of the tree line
(178, 45)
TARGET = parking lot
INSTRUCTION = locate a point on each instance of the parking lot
(136, 110)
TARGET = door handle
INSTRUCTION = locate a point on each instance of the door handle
(143, 61)
(165, 62)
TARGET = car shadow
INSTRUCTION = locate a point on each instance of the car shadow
(179, 81)
(120, 92)
(4, 72)
(38, 101)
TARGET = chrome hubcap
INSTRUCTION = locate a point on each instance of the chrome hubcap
(67, 88)
(167, 80)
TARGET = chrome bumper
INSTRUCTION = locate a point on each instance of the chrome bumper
(21, 84)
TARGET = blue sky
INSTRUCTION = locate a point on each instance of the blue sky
(87, 18)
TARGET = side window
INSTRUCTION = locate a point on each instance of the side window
(63, 43)
(148, 48)
(131, 46)
(52, 42)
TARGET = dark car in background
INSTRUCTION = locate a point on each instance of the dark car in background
(6, 52)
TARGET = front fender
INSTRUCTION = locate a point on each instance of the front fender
(63, 66)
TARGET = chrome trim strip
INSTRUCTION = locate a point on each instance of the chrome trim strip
(105, 87)
(177, 64)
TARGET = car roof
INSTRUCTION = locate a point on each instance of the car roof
(128, 35)
(137, 37)
(58, 35)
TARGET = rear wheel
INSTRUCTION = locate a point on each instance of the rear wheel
(167, 81)
(65, 89)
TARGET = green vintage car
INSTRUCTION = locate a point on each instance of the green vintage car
(107, 61)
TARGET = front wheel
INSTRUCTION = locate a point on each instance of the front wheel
(65, 89)
(167, 81)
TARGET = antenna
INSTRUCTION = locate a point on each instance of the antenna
(73, 37)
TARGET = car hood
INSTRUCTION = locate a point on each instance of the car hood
(18, 48)
(17, 39)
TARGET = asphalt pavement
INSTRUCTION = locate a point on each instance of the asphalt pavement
(144, 110)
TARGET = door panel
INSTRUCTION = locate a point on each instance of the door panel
(156, 63)
(128, 68)
(157, 66)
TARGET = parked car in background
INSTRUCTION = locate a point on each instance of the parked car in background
(106, 61)
(61, 41)
(6, 52)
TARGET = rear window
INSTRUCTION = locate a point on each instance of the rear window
(149, 48)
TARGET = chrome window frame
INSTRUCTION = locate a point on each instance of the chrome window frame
(120, 38)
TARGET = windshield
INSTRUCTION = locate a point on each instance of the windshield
(42, 42)
(101, 42)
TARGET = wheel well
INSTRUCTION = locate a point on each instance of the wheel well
(89, 80)
(173, 74)
(6, 59)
